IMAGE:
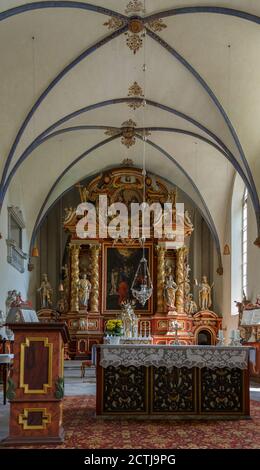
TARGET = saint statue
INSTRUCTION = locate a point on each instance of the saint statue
(190, 305)
(45, 292)
(170, 289)
(84, 290)
(205, 301)
(11, 298)
(130, 319)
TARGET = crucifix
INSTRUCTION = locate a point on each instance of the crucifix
(176, 327)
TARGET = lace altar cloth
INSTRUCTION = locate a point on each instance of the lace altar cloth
(174, 356)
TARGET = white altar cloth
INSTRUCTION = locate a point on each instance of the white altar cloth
(174, 356)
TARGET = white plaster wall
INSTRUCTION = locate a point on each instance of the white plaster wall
(10, 278)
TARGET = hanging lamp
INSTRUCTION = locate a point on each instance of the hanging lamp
(142, 287)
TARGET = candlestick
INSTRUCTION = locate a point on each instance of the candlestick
(220, 338)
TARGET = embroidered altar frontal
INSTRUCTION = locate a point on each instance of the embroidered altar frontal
(178, 381)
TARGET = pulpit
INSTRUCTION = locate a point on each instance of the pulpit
(36, 388)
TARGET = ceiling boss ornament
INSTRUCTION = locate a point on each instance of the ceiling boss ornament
(136, 25)
(128, 131)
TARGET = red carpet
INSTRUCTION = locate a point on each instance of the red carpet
(83, 430)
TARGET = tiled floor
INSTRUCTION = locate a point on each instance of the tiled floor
(74, 385)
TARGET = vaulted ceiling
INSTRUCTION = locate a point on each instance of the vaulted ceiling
(72, 73)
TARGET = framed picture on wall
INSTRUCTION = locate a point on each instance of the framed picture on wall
(120, 264)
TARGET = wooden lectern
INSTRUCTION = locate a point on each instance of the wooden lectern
(36, 388)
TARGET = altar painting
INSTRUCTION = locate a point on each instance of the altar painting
(120, 266)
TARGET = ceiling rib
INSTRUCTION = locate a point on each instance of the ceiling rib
(47, 90)
(42, 137)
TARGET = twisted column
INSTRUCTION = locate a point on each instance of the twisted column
(94, 298)
(160, 277)
(180, 279)
(74, 256)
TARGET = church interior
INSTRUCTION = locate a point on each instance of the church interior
(129, 224)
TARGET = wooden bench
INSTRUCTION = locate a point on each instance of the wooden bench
(83, 366)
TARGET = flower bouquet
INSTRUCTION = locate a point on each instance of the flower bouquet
(114, 329)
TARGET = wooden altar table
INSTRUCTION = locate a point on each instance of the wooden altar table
(175, 381)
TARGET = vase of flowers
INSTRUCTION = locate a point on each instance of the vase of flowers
(114, 329)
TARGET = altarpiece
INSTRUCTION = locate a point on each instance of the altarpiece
(110, 264)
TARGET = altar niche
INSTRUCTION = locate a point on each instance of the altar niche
(110, 265)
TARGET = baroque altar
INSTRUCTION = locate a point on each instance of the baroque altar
(100, 269)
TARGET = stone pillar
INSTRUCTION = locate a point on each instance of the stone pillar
(160, 277)
(94, 298)
(180, 279)
(74, 278)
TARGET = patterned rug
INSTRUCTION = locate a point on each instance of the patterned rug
(84, 431)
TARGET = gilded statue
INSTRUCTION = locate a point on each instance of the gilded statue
(170, 289)
(205, 300)
(84, 290)
(46, 292)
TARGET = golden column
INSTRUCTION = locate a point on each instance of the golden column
(160, 277)
(94, 299)
(181, 254)
(74, 256)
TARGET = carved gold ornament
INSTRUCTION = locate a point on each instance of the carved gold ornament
(157, 25)
(114, 23)
(137, 91)
(134, 42)
(135, 6)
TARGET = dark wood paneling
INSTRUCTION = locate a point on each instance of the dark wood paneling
(36, 365)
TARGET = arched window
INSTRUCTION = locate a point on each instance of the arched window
(244, 242)
(238, 243)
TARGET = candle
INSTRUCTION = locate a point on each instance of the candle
(220, 334)
(232, 334)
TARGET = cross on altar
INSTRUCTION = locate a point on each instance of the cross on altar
(176, 327)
